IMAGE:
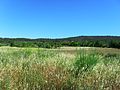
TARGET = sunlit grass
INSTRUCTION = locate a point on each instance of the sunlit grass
(43, 69)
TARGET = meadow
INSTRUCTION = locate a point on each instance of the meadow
(66, 68)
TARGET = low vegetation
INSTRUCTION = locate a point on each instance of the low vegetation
(58, 69)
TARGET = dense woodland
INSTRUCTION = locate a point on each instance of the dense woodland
(83, 41)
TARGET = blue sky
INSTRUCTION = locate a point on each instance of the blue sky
(59, 18)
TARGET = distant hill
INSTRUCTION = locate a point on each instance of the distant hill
(91, 41)
(77, 38)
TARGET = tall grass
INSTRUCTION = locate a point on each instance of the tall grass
(29, 69)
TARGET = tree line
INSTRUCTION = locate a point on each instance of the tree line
(83, 41)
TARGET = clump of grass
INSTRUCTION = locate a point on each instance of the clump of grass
(84, 62)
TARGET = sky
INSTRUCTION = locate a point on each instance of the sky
(59, 18)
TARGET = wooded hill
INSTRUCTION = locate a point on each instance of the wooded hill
(87, 41)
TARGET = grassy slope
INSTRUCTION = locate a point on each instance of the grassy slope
(67, 68)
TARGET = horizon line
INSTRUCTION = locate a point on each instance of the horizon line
(61, 37)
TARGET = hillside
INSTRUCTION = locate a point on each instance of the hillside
(80, 38)
(91, 41)
(77, 38)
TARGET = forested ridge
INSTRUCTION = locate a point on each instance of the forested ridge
(84, 41)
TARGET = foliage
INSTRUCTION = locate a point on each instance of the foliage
(84, 41)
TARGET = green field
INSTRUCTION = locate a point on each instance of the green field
(66, 68)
